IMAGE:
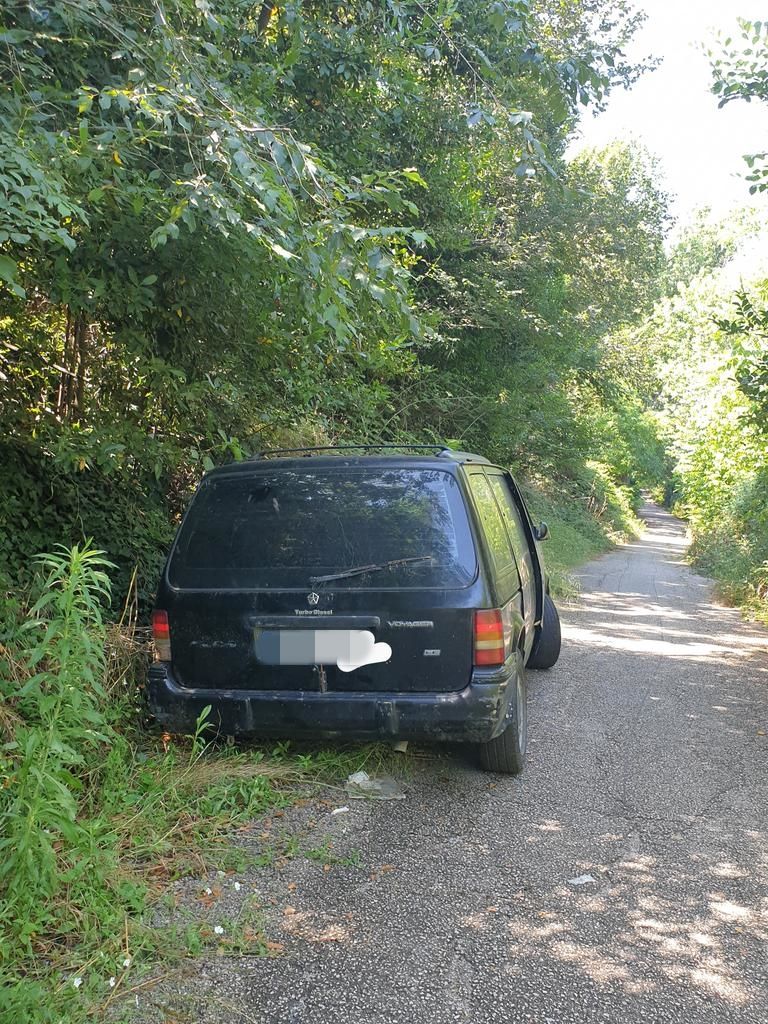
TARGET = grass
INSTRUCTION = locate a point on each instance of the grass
(164, 808)
(737, 561)
(567, 548)
(585, 520)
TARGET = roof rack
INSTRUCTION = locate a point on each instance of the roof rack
(438, 449)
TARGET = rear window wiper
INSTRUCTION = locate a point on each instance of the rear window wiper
(359, 570)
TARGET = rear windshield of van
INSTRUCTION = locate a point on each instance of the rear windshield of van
(279, 528)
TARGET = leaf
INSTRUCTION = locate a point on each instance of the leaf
(280, 251)
(8, 268)
(13, 36)
(411, 174)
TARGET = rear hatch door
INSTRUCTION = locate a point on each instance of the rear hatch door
(333, 577)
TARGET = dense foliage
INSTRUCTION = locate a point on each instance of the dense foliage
(710, 339)
(224, 226)
(706, 346)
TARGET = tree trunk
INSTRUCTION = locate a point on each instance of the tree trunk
(81, 354)
(63, 399)
(265, 14)
(70, 399)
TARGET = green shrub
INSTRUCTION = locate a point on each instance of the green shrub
(59, 703)
(732, 545)
(43, 503)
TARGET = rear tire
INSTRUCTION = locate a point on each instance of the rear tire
(505, 754)
(546, 647)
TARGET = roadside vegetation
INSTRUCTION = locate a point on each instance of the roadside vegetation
(710, 339)
(708, 344)
(226, 227)
(100, 812)
(711, 344)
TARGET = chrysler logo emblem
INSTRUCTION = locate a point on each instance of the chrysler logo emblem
(313, 598)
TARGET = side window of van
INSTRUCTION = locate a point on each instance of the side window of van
(511, 516)
(493, 525)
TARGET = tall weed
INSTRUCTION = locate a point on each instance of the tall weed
(56, 692)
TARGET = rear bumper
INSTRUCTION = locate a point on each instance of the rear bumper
(474, 714)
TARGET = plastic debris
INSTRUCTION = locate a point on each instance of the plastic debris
(340, 810)
(401, 746)
(582, 880)
(360, 786)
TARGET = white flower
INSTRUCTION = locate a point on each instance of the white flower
(127, 962)
(112, 982)
(209, 892)
(237, 887)
(77, 982)
(218, 930)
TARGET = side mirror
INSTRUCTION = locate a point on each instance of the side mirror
(541, 531)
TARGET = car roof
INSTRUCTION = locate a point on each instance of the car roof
(302, 458)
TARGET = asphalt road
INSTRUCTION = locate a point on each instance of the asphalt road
(623, 877)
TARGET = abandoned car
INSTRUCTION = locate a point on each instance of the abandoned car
(375, 593)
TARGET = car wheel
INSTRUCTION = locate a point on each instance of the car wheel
(546, 646)
(506, 753)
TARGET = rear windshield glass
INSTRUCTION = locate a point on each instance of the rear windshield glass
(279, 528)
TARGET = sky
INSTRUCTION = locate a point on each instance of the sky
(674, 113)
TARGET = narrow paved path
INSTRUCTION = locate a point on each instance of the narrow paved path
(622, 878)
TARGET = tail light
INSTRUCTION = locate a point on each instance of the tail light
(161, 634)
(489, 637)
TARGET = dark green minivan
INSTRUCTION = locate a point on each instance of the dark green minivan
(391, 593)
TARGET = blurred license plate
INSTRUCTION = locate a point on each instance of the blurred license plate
(346, 648)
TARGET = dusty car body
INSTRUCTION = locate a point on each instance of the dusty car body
(388, 594)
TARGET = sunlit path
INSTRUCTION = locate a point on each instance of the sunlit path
(622, 878)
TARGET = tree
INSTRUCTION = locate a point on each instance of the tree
(741, 73)
(225, 225)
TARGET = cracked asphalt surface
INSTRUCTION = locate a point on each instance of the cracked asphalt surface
(648, 772)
